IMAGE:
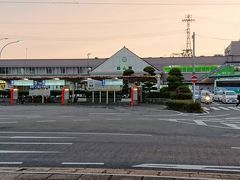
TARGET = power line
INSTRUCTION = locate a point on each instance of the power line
(216, 38)
(121, 3)
(96, 38)
(39, 2)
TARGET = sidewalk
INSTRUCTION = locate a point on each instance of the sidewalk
(30, 173)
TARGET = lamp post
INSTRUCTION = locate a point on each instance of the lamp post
(7, 45)
(193, 66)
(3, 39)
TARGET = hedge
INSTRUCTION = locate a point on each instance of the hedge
(181, 96)
(185, 106)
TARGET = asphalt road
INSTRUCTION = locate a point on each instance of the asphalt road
(147, 136)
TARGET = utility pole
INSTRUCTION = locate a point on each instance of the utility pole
(193, 67)
(188, 51)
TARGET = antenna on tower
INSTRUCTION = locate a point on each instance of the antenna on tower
(188, 51)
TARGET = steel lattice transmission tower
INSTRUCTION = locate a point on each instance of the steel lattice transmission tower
(188, 51)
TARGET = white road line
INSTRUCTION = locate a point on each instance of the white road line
(11, 122)
(234, 126)
(46, 121)
(214, 108)
(81, 163)
(72, 133)
(206, 109)
(236, 148)
(190, 167)
(199, 122)
(27, 152)
(234, 108)
(113, 119)
(11, 163)
(109, 113)
(33, 143)
(39, 137)
(79, 120)
(223, 108)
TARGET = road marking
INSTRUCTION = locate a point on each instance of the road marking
(81, 163)
(33, 143)
(199, 122)
(236, 148)
(113, 119)
(46, 121)
(10, 163)
(190, 167)
(39, 137)
(214, 108)
(71, 133)
(27, 152)
(206, 109)
(234, 108)
(223, 108)
(79, 120)
(109, 113)
(234, 126)
(12, 122)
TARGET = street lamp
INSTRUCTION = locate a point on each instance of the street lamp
(88, 68)
(3, 39)
(7, 45)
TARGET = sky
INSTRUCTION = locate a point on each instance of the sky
(149, 28)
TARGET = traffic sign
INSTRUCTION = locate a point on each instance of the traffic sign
(194, 79)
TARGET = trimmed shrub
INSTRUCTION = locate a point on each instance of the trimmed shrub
(181, 96)
(183, 89)
(185, 106)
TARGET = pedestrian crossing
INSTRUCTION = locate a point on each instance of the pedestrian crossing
(220, 108)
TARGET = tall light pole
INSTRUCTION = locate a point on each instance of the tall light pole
(7, 45)
(3, 39)
(193, 66)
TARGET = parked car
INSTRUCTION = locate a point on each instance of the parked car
(197, 95)
(229, 97)
(218, 96)
(206, 96)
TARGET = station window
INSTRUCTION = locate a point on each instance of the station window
(130, 67)
(118, 68)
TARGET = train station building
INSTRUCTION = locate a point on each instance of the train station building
(56, 73)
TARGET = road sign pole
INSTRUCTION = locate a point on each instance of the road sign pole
(193, 65)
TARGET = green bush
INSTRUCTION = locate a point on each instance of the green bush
(183, 89)
(185, 106)
(181, 96)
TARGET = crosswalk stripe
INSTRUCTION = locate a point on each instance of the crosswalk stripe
(214, 108)
(234, 126)
(199, 122)
(206, 109)
(223, 108)
(233, 108)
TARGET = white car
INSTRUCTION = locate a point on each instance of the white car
(229, 97)
(218, 96)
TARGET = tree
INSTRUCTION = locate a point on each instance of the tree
(174, 79)
(150, 70)
(128, 72)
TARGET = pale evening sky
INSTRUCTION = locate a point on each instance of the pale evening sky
(102, 27)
